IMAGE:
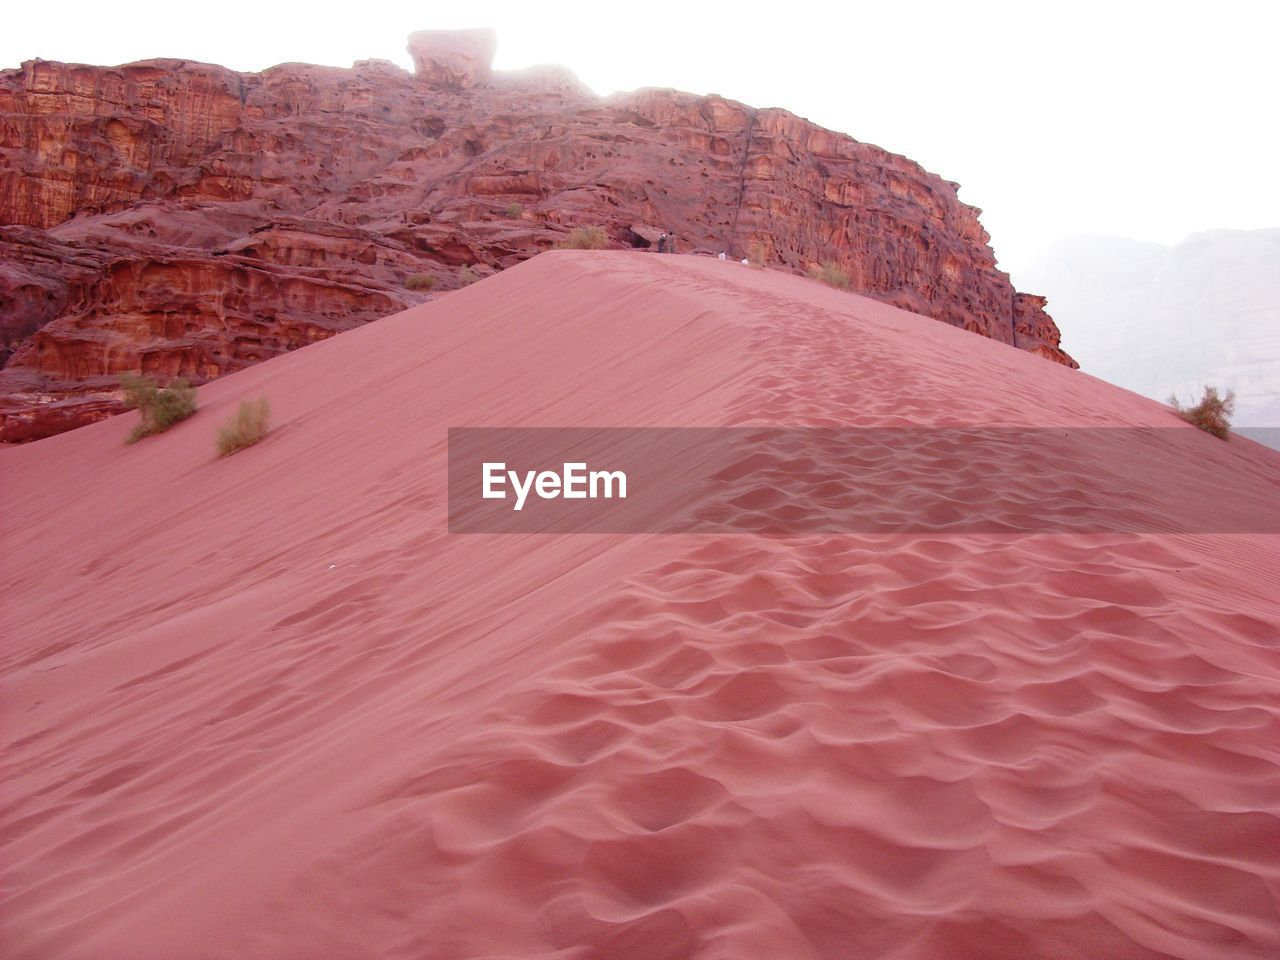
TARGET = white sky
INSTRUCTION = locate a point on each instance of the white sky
(1148, 120)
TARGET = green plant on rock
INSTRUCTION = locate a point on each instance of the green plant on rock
(514, 211)
(585, 238)
(159, 408)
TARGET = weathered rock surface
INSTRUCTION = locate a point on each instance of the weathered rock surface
(453, 59)
(183, 219)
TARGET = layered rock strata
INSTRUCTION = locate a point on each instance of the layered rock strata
(183, 219)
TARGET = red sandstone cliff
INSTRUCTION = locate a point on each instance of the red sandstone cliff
(184, 219)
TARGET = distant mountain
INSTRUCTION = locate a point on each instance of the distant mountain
(1166, 320)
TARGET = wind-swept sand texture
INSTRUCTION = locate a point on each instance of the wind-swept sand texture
(268, 707)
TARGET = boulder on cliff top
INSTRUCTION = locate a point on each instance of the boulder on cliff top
(453, 59)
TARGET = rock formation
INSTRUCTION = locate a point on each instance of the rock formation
(184, 219)
(453, 59)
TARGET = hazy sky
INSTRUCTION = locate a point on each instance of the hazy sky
(1148, 120)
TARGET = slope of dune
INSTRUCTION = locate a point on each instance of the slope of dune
(268, 706)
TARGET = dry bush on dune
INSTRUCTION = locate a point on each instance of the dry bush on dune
(467, 276)
(585, 238)
(247, 426)
(159, 407)
(831, 273)
(1212, 414)
(420, 281)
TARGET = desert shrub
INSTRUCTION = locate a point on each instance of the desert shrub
(158, 407)
(514, 210)
(420, 281)
(757, 253)
(585, 238)
(831, 273)
(467, 276)
(245, 427)
(1212, 414)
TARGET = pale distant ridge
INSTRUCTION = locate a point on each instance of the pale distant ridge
(1170, 319)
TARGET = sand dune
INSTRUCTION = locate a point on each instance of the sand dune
(268, 707)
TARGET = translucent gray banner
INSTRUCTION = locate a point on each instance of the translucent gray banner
(851, 480)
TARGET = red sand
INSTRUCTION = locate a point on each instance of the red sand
(267, 707)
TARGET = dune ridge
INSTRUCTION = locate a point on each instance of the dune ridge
(268, 706)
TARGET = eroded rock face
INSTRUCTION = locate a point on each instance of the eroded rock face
(453, 59)
(184, 219)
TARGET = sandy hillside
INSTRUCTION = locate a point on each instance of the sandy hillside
(268, 707)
